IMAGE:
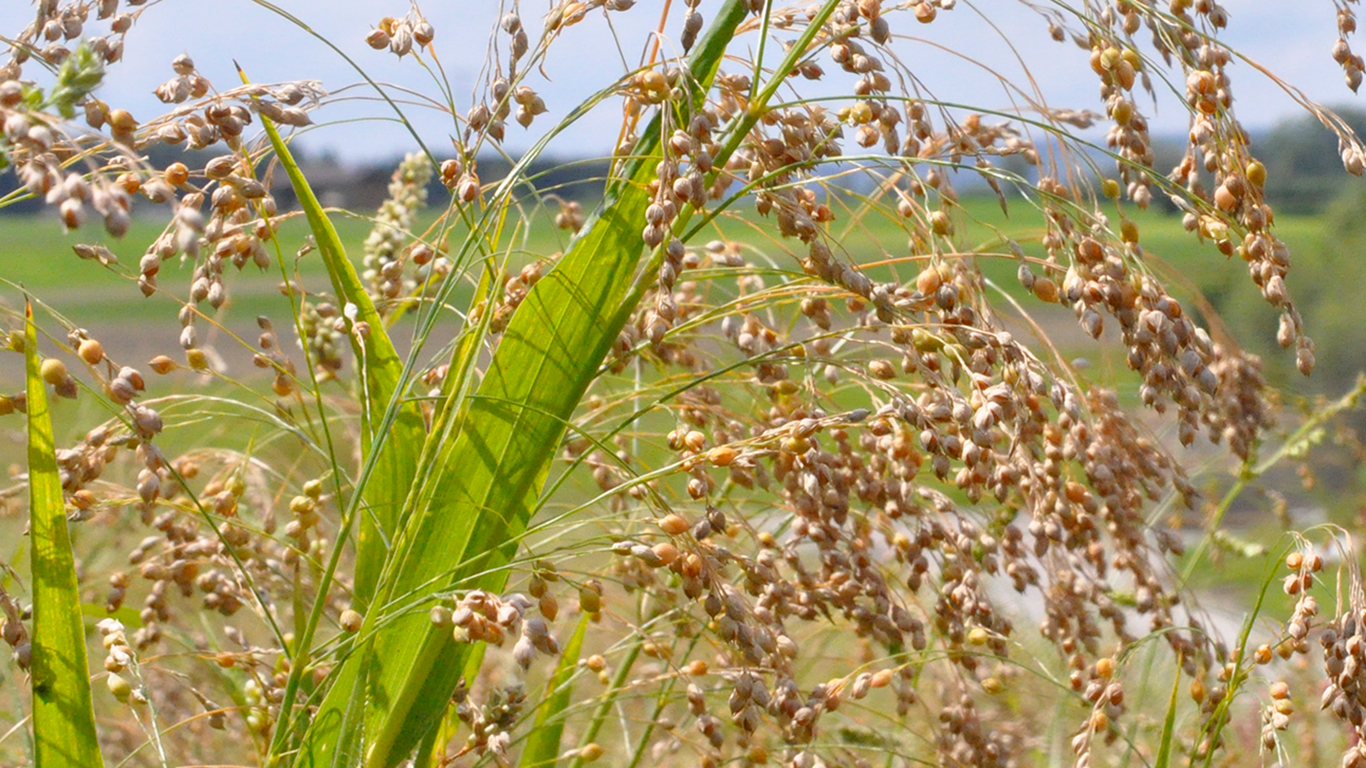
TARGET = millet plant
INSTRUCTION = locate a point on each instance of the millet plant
(713, 479)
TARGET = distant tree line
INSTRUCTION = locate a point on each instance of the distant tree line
(1304, 168)
(1304, 171)
(363, 187)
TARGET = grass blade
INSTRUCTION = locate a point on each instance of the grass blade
(1164, 749)
(483, 469)
(63, 717)
(543, 745)
(382, 376)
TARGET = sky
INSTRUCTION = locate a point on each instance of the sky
(1292, 39)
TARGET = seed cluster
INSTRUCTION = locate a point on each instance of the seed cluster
(400, 35)
(383, 261)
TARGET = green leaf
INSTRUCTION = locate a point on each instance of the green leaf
(483, 468)
(382, 374)
(1164, 749)
(543, 745)
(63, 717)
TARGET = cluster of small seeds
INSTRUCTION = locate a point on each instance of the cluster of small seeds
(1118, 69)
(31, 141)
(324, 330)
(491, 723)
(1351, 63)
(399, 35)
(57, 24)
(483, 617)
(32, 137)
(121, 659)
(489, 117)
(1106, 696)
(1344, 664)
(385, 245)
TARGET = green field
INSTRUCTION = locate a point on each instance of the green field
(36, 253)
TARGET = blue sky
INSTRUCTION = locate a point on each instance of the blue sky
(1293, 43)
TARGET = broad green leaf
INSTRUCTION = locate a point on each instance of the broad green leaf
(63, 717)
(543, 744)
(484, 466)
(382, 372)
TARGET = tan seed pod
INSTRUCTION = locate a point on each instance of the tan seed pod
(121, 121)
(1046, 289)
(665, 552)
(120, 688)
(941, 224)
(928, 281)
(589, 601)
(881, 369)
(1105, 667)
(548, 606)
(91, 351)
(377, 39)
(351, 620)
(176, 174)
(133, 377)
(53, 371)
(722, 455)
(1263, 654)
(695, 441)
(674, 524)
(1197, 690)
(162, 364)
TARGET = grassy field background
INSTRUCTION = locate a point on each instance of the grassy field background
(36, 253)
